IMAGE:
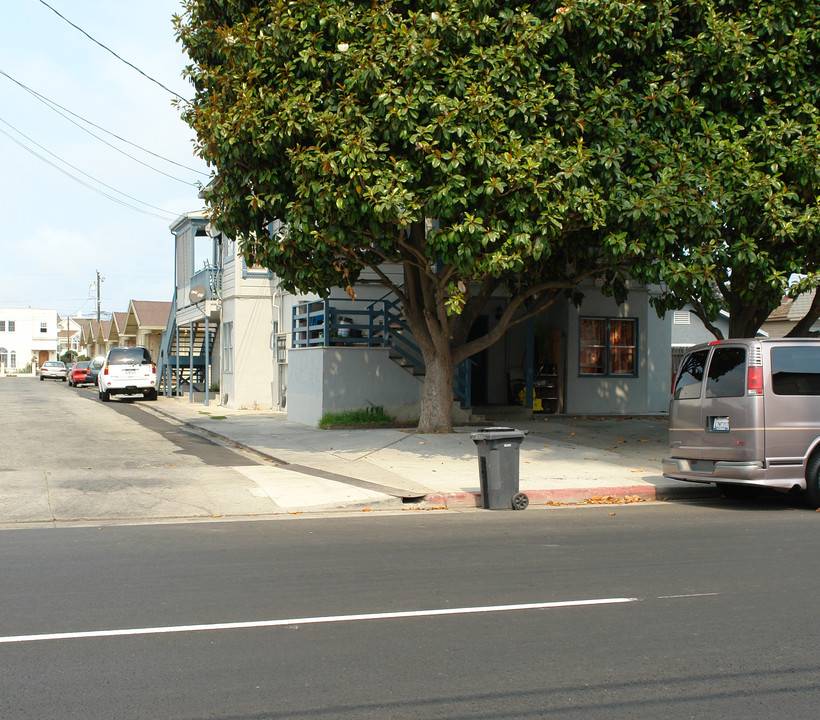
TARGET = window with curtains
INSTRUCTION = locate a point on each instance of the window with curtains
(608, 346)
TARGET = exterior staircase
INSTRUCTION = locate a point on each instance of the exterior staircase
(381, 323)
(183, 355)
(404, 351)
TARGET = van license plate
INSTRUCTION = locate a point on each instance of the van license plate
(720, 424)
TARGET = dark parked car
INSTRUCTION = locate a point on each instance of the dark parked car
(94, 367)
(77, 374)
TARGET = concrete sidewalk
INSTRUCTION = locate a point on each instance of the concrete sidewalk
(563, 459)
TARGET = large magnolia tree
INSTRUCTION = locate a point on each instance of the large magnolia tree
(753, 69)
(535, 136)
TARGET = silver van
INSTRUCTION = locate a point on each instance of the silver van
(747, 412)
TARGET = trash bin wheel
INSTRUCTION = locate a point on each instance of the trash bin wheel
(520, 501)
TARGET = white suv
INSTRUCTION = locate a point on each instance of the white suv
(128, 371)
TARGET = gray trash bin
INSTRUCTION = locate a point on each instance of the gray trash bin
(498, 468)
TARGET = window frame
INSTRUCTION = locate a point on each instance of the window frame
(227, 347)
(608, 346)
(788, 378)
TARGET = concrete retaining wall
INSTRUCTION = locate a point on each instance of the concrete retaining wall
(333, 379)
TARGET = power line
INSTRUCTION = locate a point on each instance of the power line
(74, 167)
(104, 47)
(52, 105)
(167, 216)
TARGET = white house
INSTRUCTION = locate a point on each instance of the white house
(28, 337)
(223, 321)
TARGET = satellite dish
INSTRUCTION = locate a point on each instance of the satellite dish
(196, 294)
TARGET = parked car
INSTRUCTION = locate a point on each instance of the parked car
(745, 413)
(77, 373)
(94, 367)
(128, 371)
(53, 369)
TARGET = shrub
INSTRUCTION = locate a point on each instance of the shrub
(373, 415)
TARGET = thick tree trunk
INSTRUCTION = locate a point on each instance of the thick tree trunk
(436, 412)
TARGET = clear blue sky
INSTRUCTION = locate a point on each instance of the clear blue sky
(56, 231)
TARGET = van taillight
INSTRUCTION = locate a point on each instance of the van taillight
(754, 384)
(105, 372)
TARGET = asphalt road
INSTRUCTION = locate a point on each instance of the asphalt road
(701, 611)
(48, 425)
(67, 457)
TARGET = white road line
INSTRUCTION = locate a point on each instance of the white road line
(689, 595)
(310, 620)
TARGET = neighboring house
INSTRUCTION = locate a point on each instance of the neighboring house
(688, 330)
(116, 331)
(144, 324)
(88, 341)
(71, 335)
(103, 344)
(790, 312)
(27, 337)
(95, 337)
(306, 355)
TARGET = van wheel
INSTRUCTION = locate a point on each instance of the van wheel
(105, 396)
(813, 481)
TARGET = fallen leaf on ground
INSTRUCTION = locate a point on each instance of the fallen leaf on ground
(612, 500)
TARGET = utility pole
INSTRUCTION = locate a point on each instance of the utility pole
(99, 280)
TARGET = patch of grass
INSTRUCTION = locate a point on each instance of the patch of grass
(373, 415)
(219, 417)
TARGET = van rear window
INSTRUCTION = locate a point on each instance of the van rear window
(129, 356)
(727, 373)
(690, 376)
(796, 370)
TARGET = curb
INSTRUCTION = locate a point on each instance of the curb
(574, 496)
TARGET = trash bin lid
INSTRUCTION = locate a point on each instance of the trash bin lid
(497, 433)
